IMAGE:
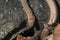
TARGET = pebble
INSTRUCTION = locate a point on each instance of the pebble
(6, 0)
(1, 15)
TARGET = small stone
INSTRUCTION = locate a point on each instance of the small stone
(31, 5)
(6, 0)
(1, 15)
(15, 8)
(9, 13)
(41, 5)
(2, 32)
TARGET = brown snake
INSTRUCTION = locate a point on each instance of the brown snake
(29, 13)
(53, 11)
(53, 16)
(31, 18)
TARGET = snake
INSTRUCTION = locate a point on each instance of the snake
(53, 11)
(53, 17)
(29, 13)
(31, 17)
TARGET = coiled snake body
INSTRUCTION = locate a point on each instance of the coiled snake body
(31, 17)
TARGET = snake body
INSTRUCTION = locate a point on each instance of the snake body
(52, 19)
(29, 13)
(31, 18)
(53, 11)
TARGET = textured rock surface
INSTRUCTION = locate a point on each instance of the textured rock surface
(12, 14)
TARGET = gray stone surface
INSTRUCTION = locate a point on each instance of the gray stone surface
(11, 15)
